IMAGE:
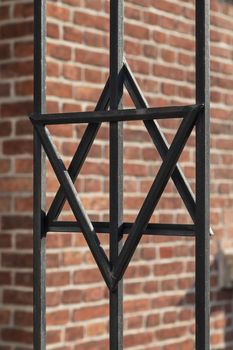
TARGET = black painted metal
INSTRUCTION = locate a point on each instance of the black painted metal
(39, 336)
(104, 227)
(116, 170)
(192, 116)
(202, 177)
(113, 115)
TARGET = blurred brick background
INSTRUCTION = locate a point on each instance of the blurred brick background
(158, 292)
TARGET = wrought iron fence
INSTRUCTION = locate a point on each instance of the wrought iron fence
(109, 109)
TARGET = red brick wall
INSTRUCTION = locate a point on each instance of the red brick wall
(159, 289)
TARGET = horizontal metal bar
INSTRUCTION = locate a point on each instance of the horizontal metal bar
(104, 227)
(112, 116)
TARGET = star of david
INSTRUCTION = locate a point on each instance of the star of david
(169, 169)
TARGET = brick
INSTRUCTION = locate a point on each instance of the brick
(4, 90)
(170, 317)
(150, 287)
(138, 339)
(102, 344)
(62, 52)
(23, 10)
(58, 12)
(94, 294)
(57, 318)
(73, 34)
(86, 19)
(136, 31)
(23, 319)
(12, 222)
(53, 30)
(168, 269)
(23, 49)
(71, 72)
(23, 127)
(93, 4)
(5, 202)
(24, 241)
(134, 322)
(5, 240)
(17, 260)
(59, 89)
(53, 70)
(87, 93)
(86, 313)
(52, 260)
(136, 305)
(132, 47)
(4, 317)
(93, 58)
(17, 109)
(72, 258)
(53, 336)
(5, 10)
(4, 51)
(53, 298)
(16, 30)
(72, 296)
(173, 332)
(168, 72)
(15, 184)
(5, 278)
(74, 333)
(24, 88)
(17, 147)
(20, 336)
(17, 297)
(57, 279)
(96, 329)
(95, 39)
(24, 279)
(165, 301)
(87, 276)
(153, 320)
(93, 76)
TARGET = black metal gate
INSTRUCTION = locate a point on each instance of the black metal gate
(109, 109)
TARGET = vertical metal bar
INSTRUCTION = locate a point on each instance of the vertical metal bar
(116, 168)
(39, 324)
(202, 177)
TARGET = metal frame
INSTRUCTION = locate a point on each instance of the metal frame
(109, 109)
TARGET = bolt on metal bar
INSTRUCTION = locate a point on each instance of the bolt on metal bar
(116, 169)
(39, 292)
(202, 220)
